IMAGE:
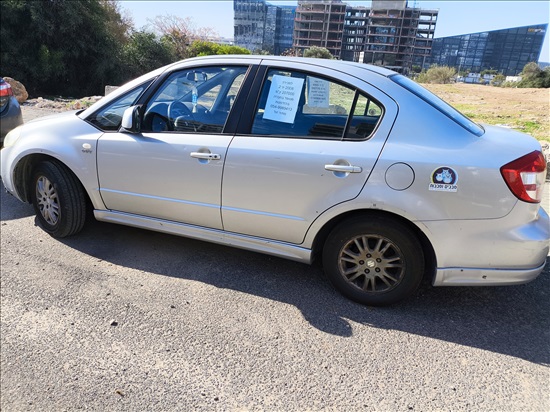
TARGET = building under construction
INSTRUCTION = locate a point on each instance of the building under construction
(387, 34)
(319, 23)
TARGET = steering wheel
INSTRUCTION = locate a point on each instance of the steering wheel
(177, 109)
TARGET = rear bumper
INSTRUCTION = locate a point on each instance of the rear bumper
(10, 118)
(507, 251)
(485, 277)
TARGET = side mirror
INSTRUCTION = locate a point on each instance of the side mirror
(131, 121)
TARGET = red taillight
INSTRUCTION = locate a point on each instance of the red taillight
(525, 176)
(5, 90)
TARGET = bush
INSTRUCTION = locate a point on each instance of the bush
(318, 52)
(437, 75)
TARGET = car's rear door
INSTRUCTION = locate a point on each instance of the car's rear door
(311, 143)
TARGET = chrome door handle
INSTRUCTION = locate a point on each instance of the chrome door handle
(344, 168)
(205, 156)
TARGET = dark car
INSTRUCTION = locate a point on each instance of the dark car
(10, 111)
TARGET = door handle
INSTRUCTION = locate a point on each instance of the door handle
(344, 168)
(205, 156)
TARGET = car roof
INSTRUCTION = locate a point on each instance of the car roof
(340, 65)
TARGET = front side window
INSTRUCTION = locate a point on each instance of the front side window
(197, 100)
(109, 117)
(303, 105)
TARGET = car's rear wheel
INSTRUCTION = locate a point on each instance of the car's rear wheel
(58, 199)
(374, 261)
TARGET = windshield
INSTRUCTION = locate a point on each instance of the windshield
(439, 104)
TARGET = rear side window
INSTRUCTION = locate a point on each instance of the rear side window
(439, 104)
(297, 104)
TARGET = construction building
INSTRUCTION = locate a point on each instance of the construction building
(389, 34)
(319, 23)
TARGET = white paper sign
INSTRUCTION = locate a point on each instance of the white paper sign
(317, 92)
(283, 98)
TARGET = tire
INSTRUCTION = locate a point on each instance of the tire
(58, 199)
(374, 261)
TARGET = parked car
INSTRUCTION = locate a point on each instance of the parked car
(352, 164)
(10, 111)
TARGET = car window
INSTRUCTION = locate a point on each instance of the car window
(196, 100)
(303, 105)
(438, 103)
(110, 117)
(366, 116)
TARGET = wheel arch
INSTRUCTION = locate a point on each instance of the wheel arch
(22, 175)
(430, 260)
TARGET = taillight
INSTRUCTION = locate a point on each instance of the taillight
(525, 176)
(5, 89)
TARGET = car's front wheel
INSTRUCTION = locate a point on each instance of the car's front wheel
(58, 199)
(374, 261)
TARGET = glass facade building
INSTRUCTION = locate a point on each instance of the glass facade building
(259, 25)
(506, 51)
(284, 32)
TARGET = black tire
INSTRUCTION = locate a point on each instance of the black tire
(375, 261)
(58, 199)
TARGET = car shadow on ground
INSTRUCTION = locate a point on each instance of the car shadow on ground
(11, 208)
(508, 320)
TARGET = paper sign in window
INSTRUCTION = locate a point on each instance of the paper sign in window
(317, 92)
(283, 98)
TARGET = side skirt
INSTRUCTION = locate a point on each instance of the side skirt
(269, 247)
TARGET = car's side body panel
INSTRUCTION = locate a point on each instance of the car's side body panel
(154, 174)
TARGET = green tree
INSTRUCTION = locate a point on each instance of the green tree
(206, 48)
(179, 33)
(531, 70)
(68, 47)
(145, 52)
(318, 52)
(533, 76)
(437, 75)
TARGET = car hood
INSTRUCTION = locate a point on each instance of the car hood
(54, 116)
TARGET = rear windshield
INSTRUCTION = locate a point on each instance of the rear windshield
(439, 104)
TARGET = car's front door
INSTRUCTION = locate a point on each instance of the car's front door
(173, 169)
(312, 144)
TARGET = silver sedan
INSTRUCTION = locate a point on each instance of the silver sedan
(352, 164)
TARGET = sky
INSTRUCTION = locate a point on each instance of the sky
(455, 17)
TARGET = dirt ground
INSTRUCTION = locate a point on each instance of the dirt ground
(527, 110)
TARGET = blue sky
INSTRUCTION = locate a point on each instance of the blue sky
(455, 17)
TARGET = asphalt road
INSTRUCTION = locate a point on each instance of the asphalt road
(121, 319)
(118, 318)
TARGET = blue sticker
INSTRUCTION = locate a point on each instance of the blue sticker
(444, 179)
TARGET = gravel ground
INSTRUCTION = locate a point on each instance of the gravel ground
(121, 319)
